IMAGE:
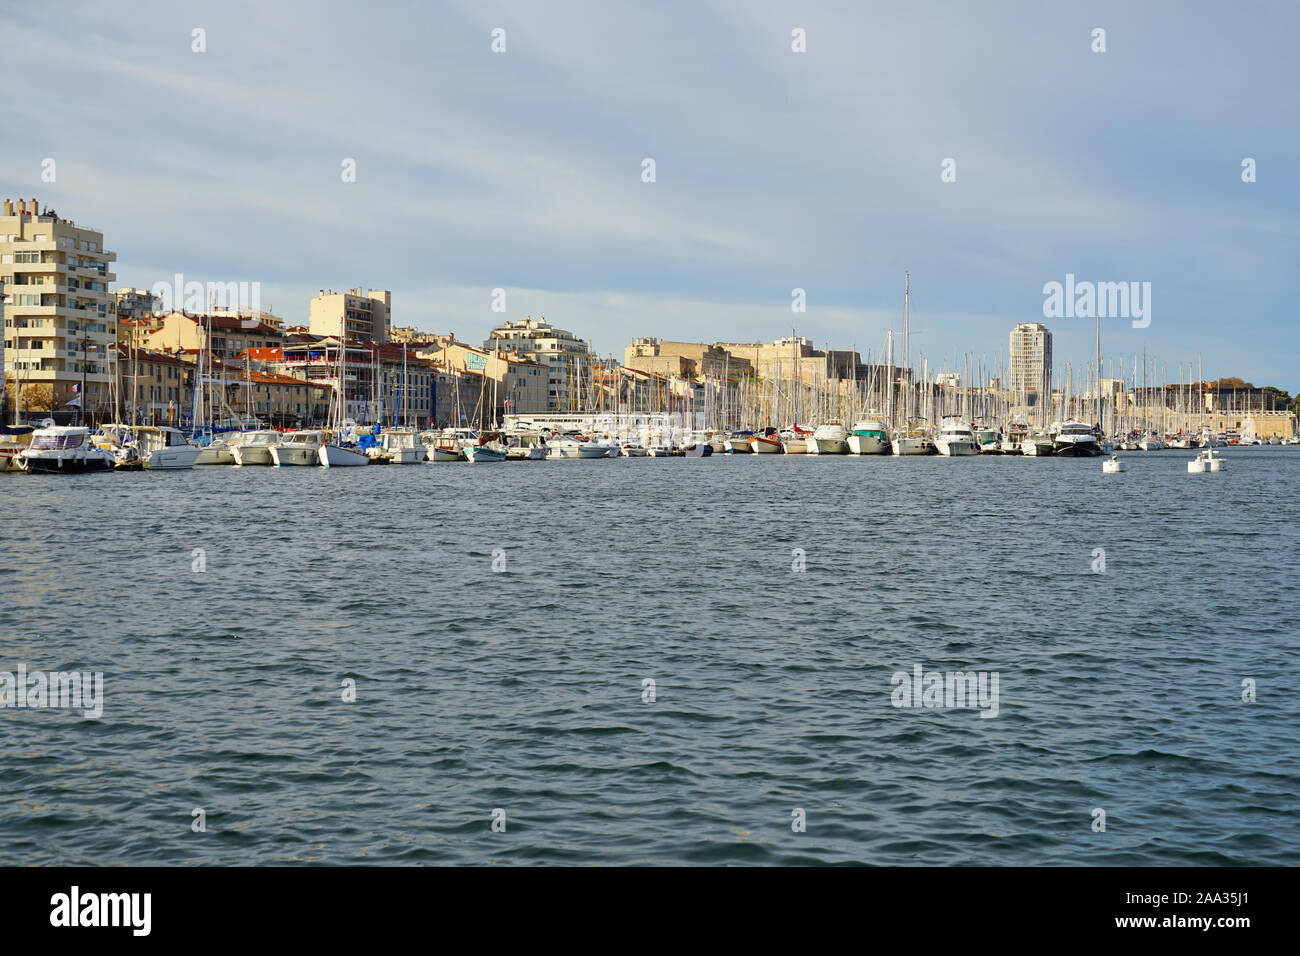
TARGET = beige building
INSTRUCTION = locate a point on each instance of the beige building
(521, 384)
(231, 336)
(566, 357)
(685, 359)
(354, 315)
(59, 323)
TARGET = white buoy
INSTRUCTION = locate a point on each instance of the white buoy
(1197, 465)
(1112, 465)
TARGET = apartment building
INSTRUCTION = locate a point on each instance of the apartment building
(59, 322)
(1030, 359)
(522, 385)
(231, 335)
(354, 315)
(566, 358)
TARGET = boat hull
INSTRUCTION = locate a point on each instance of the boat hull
(867, 445)
(283, 455)
(252, 455)
(67, 464)
(955, 447)
(737, 446)
(336, 456)
(911, 445)
(174, 457)
(765, 446)
(483, 455)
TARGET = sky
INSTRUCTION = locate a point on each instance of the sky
(774, 170)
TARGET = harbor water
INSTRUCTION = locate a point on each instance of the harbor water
(500, 627)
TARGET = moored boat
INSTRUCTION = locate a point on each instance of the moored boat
(869, 438)
(64, 450)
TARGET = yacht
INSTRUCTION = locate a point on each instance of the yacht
(869, 438)
(633, 449)
(956, 438)
(254, 448)
(1151, 443)
(768, 443)
(829, 438)
(298, 448)
(917, 441)
(64, 449)
(1075, 439)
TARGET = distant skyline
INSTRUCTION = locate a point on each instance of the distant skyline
(774, 169)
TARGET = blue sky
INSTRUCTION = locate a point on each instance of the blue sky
(774, 169)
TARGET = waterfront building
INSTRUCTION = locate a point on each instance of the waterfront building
(1030, 359)
(231, 335)
(522, 384)
(354, 315)
(566, 358)
(59, 324)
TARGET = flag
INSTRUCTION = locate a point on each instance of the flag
(74, 387)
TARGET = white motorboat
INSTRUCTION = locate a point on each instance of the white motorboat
(217, 450)
(1152, 443)
(829, 438)
(1074, 439)
(401, 446)
(298, 448)
(956, 438)
(869, 438)
(64, 450)
(738, 443)
(570, 447)
(916, 441)
(254, 448)
(1112, 465)
(634, 449)
(164, 447)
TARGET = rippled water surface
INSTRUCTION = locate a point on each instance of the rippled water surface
(523, 689)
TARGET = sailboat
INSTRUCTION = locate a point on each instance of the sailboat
(342, 450)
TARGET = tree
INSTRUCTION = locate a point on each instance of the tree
(35, 397)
